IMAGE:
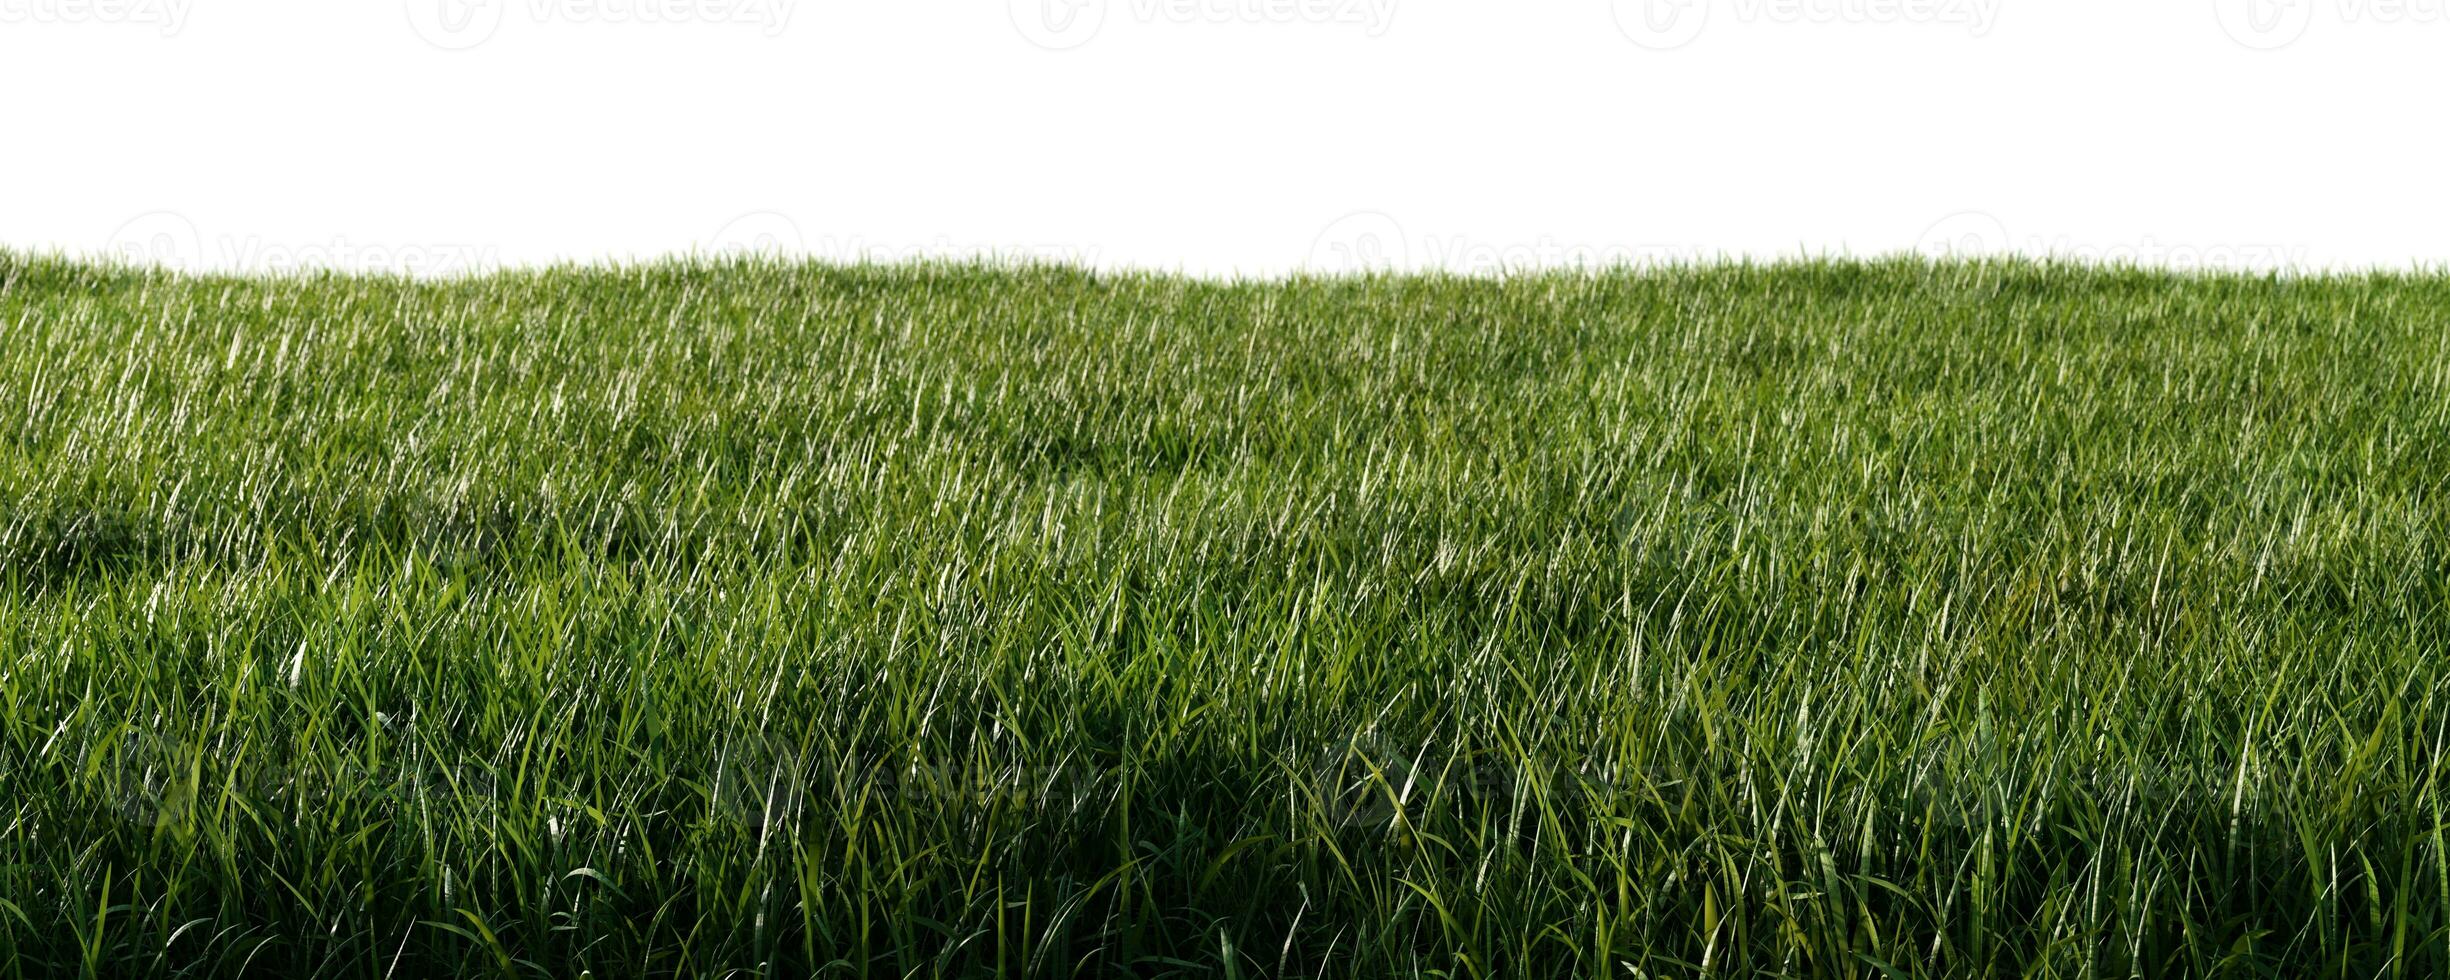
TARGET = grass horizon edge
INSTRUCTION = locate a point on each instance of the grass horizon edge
(1833, 618)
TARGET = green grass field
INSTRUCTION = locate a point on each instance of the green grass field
(1828, 619)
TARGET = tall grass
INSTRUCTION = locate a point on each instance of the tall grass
(1831, 619)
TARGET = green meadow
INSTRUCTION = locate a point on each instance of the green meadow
(741, 618)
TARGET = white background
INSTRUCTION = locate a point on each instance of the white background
(1225, 137)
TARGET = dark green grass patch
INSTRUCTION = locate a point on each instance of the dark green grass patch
(1840, 619)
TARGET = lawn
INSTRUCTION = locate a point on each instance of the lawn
(741, 618)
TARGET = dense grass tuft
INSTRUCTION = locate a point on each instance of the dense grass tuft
(1832, 619)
